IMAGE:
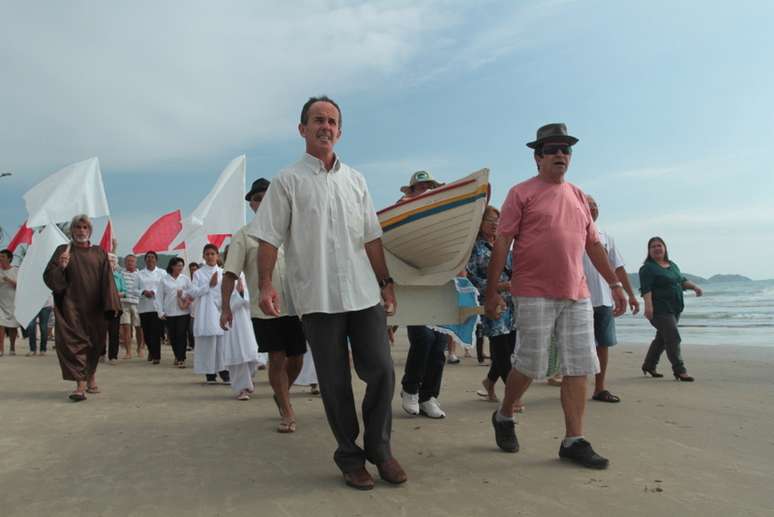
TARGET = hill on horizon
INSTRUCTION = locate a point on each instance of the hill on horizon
(634, 278)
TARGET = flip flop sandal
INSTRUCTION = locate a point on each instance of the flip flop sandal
(243, 396)
(77, 396)
(287, 427)
(92, 389)
(606, 396)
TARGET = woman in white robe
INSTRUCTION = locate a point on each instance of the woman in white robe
(209, 357)
(241, 349)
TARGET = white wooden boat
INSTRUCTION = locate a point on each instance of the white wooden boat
(428, 239)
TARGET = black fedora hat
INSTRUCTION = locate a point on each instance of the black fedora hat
(556, 132)
(259, 185)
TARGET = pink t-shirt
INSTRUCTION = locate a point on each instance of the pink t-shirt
(551, 226)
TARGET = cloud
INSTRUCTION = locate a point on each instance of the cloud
(146, 84)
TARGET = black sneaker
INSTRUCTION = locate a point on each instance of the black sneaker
(505, 434)
(581, 453)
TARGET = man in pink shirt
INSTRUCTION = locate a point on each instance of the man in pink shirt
(549, 224)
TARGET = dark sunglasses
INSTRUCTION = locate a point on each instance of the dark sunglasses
(555, 148)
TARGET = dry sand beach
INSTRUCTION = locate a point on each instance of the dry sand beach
(158, 442)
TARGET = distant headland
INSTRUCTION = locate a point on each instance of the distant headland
(714, 279)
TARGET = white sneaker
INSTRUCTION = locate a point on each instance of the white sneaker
(410, 403)
(431, 408)
(453, 359)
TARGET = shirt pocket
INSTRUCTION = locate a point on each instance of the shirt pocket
(350, 209)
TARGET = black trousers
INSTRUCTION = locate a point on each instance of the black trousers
(425, 361)
(113, 327)
(177, 330)
(191, 340)
(500, 350)
(667, 338)
(366, 331)
(152, 328)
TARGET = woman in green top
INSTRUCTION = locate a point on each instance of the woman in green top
(662, 285)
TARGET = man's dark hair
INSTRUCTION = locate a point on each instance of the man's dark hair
(151, 252)
(173, 262)
(8, 253)
(210, 246)
(312, 100)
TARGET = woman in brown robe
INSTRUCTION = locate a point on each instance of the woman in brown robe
(85, 298)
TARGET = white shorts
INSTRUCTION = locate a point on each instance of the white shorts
(129, 314)
(572, 322)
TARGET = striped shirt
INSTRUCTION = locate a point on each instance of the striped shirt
(131, 292)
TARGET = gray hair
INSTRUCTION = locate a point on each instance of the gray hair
(81, 218)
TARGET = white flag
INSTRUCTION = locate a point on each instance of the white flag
(221, 211)
(76, 189)
(33, 293)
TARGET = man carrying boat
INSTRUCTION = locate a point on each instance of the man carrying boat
(423, 372)
(321, 211)
(549, 224)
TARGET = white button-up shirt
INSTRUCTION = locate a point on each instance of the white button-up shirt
(324, 219)
(598, 286)
(150, 281)
(168, 295)
(243, 258)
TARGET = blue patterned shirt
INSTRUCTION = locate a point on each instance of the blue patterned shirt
(476, 269)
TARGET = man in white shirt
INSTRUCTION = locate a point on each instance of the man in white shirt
(321, 211)
(602, 301)
(150, 305)
(281, 337)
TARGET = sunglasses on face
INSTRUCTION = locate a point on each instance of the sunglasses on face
(555, 148)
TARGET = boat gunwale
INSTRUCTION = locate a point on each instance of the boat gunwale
(428, 194)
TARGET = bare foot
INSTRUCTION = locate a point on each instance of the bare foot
(488, 392)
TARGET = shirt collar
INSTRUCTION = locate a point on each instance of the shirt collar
(317, 166)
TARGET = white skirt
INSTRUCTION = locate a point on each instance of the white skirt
(209, 355)
(308, 374)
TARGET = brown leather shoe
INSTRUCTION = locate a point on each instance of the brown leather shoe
(359, 479)
(392, 472)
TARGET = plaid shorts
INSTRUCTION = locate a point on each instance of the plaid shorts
(571, 322)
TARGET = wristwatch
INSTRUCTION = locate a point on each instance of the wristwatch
(616, 284)
(385, 282)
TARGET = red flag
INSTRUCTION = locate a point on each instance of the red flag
(160, 234)
(218, 238)
(106, 243)
(23, 236)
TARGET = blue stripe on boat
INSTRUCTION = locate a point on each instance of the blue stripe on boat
(434, 211)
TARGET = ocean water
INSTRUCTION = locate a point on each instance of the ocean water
(733, 313)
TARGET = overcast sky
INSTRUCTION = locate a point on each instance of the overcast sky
(672, 102)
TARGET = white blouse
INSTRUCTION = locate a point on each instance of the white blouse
(168, 295)
(150, 281)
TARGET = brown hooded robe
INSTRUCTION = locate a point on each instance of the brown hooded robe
(85, 297)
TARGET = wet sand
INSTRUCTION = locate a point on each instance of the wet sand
(157, 441)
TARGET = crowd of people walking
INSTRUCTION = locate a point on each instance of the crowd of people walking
(310, 269)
